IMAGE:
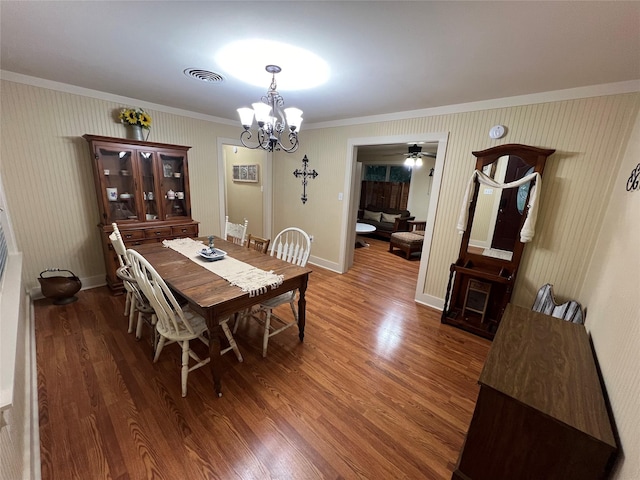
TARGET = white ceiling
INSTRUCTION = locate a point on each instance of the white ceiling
(385, 57)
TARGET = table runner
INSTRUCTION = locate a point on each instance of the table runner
(247, 277)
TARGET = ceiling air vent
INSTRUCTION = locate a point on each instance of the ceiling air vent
(204, 75)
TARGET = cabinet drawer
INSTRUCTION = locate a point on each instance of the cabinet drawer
(184, 230)
(161, 232)
(131, 234)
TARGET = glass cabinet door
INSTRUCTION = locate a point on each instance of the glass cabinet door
(117, 177)
(149, 190)
(174, 196)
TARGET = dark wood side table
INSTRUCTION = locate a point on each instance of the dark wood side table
(540, 412)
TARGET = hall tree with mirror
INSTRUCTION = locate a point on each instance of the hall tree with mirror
(497, 220)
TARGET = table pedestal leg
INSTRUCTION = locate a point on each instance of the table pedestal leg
(302, 308)
(360, 241)
(214, 355)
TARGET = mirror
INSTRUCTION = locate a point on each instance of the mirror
(495, 227)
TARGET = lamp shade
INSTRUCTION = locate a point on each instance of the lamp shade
(294, 118)
(246, 116)
(262, 112)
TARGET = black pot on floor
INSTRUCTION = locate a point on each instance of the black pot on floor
(61, 289)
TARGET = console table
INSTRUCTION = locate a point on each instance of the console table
(540, 412)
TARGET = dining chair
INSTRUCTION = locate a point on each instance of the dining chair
(257, 243)
(135, 300)
(292, 245)
(175, 324)
(546, 303)
(261, 245)
(120, 249)
(235, 232)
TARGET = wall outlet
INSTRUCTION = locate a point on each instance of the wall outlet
(311, 238)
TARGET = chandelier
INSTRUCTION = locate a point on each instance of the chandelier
(272, 120)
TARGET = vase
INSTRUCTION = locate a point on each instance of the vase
(136, 133)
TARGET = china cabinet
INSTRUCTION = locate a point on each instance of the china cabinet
(482, 278)
(144, 188)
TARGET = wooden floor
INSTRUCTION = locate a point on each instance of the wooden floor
(379, 389)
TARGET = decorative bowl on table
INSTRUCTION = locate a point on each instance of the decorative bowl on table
(212, 254)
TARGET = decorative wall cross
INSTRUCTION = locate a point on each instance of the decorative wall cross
(305, 175)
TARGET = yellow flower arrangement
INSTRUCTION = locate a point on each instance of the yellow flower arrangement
(135, 116)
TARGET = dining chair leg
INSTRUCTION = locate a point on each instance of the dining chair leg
(265, 338)
(127, 303)
(139, 326)
(159, 348)
(156, 335)
(132, 315)
(236, 320)
(185, 366)
(294, 310)
(231, 340)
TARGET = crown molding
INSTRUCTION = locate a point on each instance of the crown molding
(515, 101)
(108, 97)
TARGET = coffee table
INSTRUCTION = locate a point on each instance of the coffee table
(363, 229)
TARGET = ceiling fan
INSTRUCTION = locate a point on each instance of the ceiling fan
(414, 157)
(415, 151)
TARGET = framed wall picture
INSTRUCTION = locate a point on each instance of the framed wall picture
(245, 173)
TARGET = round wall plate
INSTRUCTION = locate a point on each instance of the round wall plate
(497, 131)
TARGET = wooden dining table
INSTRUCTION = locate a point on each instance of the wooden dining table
(215, 298)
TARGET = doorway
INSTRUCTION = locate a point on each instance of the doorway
(352, 193)
(244, 196)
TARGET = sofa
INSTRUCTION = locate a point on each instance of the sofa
(386, 220)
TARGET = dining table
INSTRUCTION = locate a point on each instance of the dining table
(215, 298)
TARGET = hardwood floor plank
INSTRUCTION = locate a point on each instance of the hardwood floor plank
(379, 389)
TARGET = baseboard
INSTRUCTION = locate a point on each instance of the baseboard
(321, 262)
(32, 414)
(430, 301)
